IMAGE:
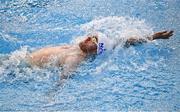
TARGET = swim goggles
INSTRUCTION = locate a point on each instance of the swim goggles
(100, 46)
(94, 40)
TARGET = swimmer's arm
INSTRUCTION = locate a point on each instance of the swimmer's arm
(70, 65)
(161, 35)
(157, 35)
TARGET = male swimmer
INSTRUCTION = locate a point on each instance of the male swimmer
(70, 56)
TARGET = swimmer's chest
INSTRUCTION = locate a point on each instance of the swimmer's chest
(62, 52)
(59, 51)
(69, 52)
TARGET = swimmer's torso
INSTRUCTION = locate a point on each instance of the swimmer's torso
(56, 55)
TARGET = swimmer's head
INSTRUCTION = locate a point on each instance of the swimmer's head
(96, 43)
(89, 45)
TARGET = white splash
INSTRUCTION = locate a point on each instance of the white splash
(117, 29)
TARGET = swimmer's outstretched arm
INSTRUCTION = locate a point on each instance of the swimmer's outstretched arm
(157, 35)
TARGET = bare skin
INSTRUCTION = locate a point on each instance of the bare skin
(67, 56)
(155, 36)
(70, 56)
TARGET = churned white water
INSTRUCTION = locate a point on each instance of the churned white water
(116, 29)
(139, 78)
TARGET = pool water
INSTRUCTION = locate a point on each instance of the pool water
(139, 78)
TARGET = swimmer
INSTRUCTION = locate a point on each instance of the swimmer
(70, 56)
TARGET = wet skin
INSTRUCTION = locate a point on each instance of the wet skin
(70, 56)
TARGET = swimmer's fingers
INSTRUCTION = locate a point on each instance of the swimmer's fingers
(167, 35)
(163, 35)
(171, 33)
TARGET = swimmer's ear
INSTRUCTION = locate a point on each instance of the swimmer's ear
(82, 47)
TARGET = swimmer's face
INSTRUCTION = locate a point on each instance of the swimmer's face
(89, 45)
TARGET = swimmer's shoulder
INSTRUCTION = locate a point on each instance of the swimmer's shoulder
(48, 49)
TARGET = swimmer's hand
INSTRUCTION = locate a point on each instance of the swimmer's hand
(162, 35)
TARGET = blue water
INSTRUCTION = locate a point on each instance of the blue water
(139, 78)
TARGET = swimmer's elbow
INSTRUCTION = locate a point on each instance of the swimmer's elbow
(66, 73)
(64, 76)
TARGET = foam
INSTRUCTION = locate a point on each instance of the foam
(114, 30)
(16, 66)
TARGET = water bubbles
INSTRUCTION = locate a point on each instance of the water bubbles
(118, 28)
(135, 78)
